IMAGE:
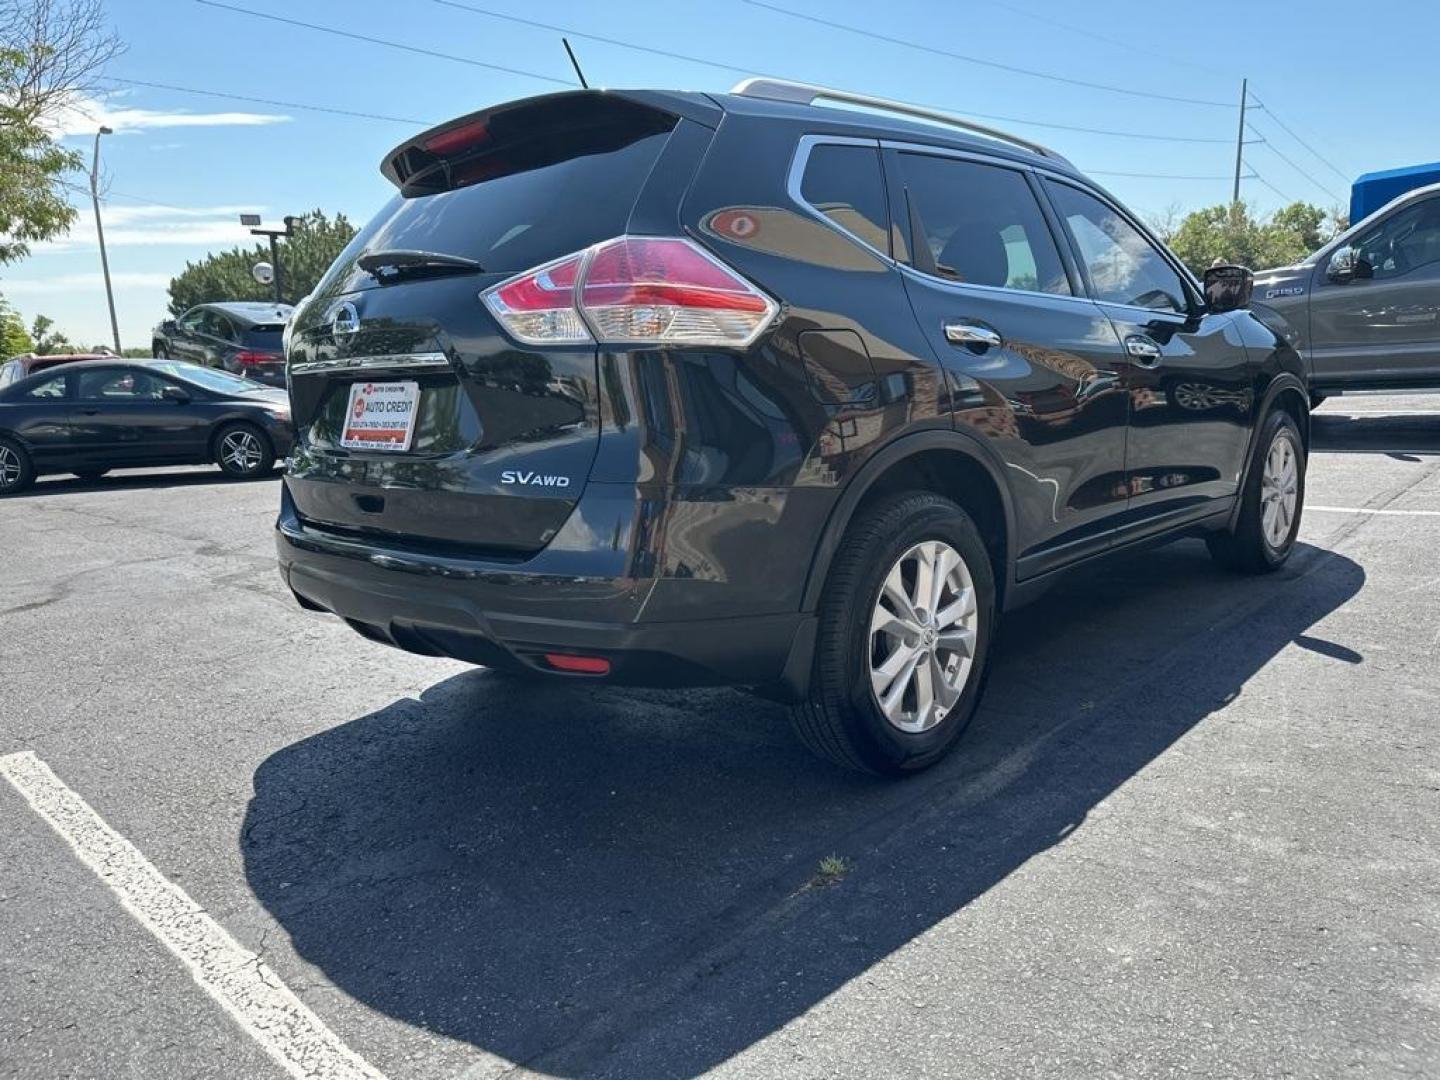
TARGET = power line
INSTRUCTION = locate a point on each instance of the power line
(978, 60)
(736, 69)
(1287, 129)
(1288, 161)
(390, 44)
(267, 101)
(1272, 187)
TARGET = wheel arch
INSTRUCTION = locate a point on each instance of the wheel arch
(1288, 393)
(951, 463)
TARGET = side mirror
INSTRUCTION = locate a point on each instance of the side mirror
(1228, 288)
(1347, 265)
(178, 394)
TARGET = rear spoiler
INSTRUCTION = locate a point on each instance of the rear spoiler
(420, 165)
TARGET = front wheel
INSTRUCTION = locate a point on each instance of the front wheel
(904, 635)
(17, 471)
(243, 451)
(1270, 505)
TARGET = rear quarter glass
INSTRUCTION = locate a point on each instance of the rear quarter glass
(516, 207)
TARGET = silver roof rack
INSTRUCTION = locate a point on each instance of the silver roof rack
(797, 93)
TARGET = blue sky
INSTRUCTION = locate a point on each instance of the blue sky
(181, 167)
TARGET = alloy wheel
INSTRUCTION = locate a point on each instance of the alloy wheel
(242, 451)
(922, 638)
(10, 468)
(1279, 490)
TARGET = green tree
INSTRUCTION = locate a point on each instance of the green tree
(14, 338)
(1234, 234)
(48, 341)
(50, 50)
(304, 257)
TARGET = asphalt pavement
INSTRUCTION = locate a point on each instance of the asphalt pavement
(1194, 831)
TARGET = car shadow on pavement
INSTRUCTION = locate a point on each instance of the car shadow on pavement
(134, 481)
(1379, 433)
(609, 882)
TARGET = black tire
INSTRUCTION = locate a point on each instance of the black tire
(17, 471)
(90, 475)
(257, 461)
(840, 720)
(159, 352)
(1247, 549)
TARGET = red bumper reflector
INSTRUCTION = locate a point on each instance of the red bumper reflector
(581, 665)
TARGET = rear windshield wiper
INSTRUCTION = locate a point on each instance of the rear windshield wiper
(388, 266)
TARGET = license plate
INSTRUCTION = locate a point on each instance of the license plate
(380, 416)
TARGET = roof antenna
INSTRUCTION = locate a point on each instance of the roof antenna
(574, 63)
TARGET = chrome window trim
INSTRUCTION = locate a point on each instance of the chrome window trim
(408, 361)
(795, 178)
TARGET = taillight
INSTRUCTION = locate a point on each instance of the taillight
(633, 290)
(248, 358)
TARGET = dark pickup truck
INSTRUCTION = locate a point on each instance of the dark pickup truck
(1364, 310)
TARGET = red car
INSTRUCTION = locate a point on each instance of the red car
(26, 364)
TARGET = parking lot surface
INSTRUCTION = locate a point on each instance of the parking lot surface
(1195, 829)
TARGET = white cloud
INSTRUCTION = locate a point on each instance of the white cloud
(148, 226)
(85, 114)
(117, 215)
(66, 283)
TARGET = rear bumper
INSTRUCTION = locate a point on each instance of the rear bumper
(509, 615)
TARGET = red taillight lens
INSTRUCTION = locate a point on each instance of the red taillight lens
(458, 138)
(634, 290)
(247, 358)
(539, 306)
(580, 665)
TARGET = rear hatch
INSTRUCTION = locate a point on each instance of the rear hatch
(493, 439)
(261, 354)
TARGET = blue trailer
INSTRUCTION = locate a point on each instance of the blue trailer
(1375, 189)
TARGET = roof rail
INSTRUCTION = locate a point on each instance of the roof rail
(797, 93)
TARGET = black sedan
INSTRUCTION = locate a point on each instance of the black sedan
(241, 338)
(91, 417)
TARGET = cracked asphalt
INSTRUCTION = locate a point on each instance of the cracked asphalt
(1195, 830)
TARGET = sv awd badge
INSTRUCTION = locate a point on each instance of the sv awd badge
(532, 479)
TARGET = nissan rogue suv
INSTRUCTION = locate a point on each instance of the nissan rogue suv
(675, 389)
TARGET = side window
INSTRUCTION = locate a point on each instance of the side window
(49, 390)
(119, 384)
(1124, 266)
(980, 224)
(7, 374)
(221, 327)
(1408, 240)
(191, 320)
(844, 183)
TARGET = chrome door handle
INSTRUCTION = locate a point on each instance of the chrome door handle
(963, 333)
(1145, 352)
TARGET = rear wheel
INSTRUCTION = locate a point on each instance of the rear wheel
(905, 629)
(1271, 504)
(159, 352)
(243, 451)
(17, 471)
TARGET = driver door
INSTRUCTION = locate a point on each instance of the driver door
(1188, 376)
(1383, 325)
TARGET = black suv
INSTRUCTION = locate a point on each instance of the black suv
(243, 338)
(676, 389)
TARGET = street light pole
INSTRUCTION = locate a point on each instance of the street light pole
(100, 232)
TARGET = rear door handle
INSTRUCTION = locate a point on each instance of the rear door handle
(964, 333)
(1144, 351)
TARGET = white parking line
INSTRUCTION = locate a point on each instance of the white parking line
(239, 980)
(1366, 510)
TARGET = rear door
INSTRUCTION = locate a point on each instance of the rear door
(1033, 366)
(1186, 373)
(1383, 327)
(504, 433)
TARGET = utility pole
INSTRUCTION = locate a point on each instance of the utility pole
(1240, 140)
(274, 235)
(100, 232)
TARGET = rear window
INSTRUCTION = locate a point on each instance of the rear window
(529, 194)
(844, 183)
